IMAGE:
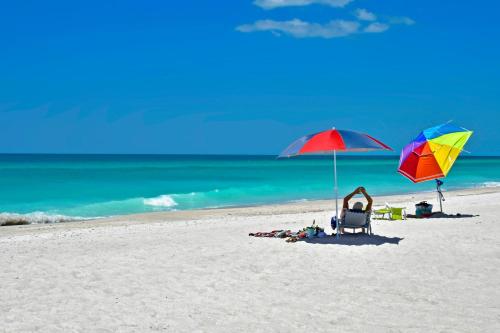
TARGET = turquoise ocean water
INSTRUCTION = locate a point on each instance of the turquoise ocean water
(55, 187)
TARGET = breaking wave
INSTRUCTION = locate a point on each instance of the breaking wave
(35, 218)
(161, 201)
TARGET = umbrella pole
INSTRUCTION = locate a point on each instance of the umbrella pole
(440, 203)
(439, 194)
(336, 193)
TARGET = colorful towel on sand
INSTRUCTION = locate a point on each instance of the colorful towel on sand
(274, 233)
(307, 232)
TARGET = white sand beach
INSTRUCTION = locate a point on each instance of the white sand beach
(199, 271)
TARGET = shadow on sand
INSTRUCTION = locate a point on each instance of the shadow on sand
(440, 215)
(355, 240)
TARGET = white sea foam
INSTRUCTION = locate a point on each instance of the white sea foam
(299, 200)
(491, 184)
(161, 201)
(34, 218)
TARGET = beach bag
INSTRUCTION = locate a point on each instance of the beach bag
(333, 223)
(310, 232)
(321, 234)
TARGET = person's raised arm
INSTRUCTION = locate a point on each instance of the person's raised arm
(368, 198)
(349, 197)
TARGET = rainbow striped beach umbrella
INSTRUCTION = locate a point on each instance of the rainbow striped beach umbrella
(432, 154)
(330, 142)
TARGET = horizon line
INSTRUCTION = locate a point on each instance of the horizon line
(372, 154)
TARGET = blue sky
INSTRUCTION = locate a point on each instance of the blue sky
(241, 76)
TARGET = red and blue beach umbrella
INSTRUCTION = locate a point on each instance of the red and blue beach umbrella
(330, 142)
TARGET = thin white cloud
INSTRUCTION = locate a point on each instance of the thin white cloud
(376, 27)
(302, 29)
(401, 20)
(271, 4)
(364, 15)
(366, 21)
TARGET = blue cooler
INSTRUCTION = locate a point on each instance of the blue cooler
(423, 209)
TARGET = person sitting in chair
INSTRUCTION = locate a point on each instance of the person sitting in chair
(358, 206)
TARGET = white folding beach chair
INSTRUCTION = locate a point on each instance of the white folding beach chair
(356, 220)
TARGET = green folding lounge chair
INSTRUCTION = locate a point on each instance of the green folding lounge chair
(380, 213)
(398, 213)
